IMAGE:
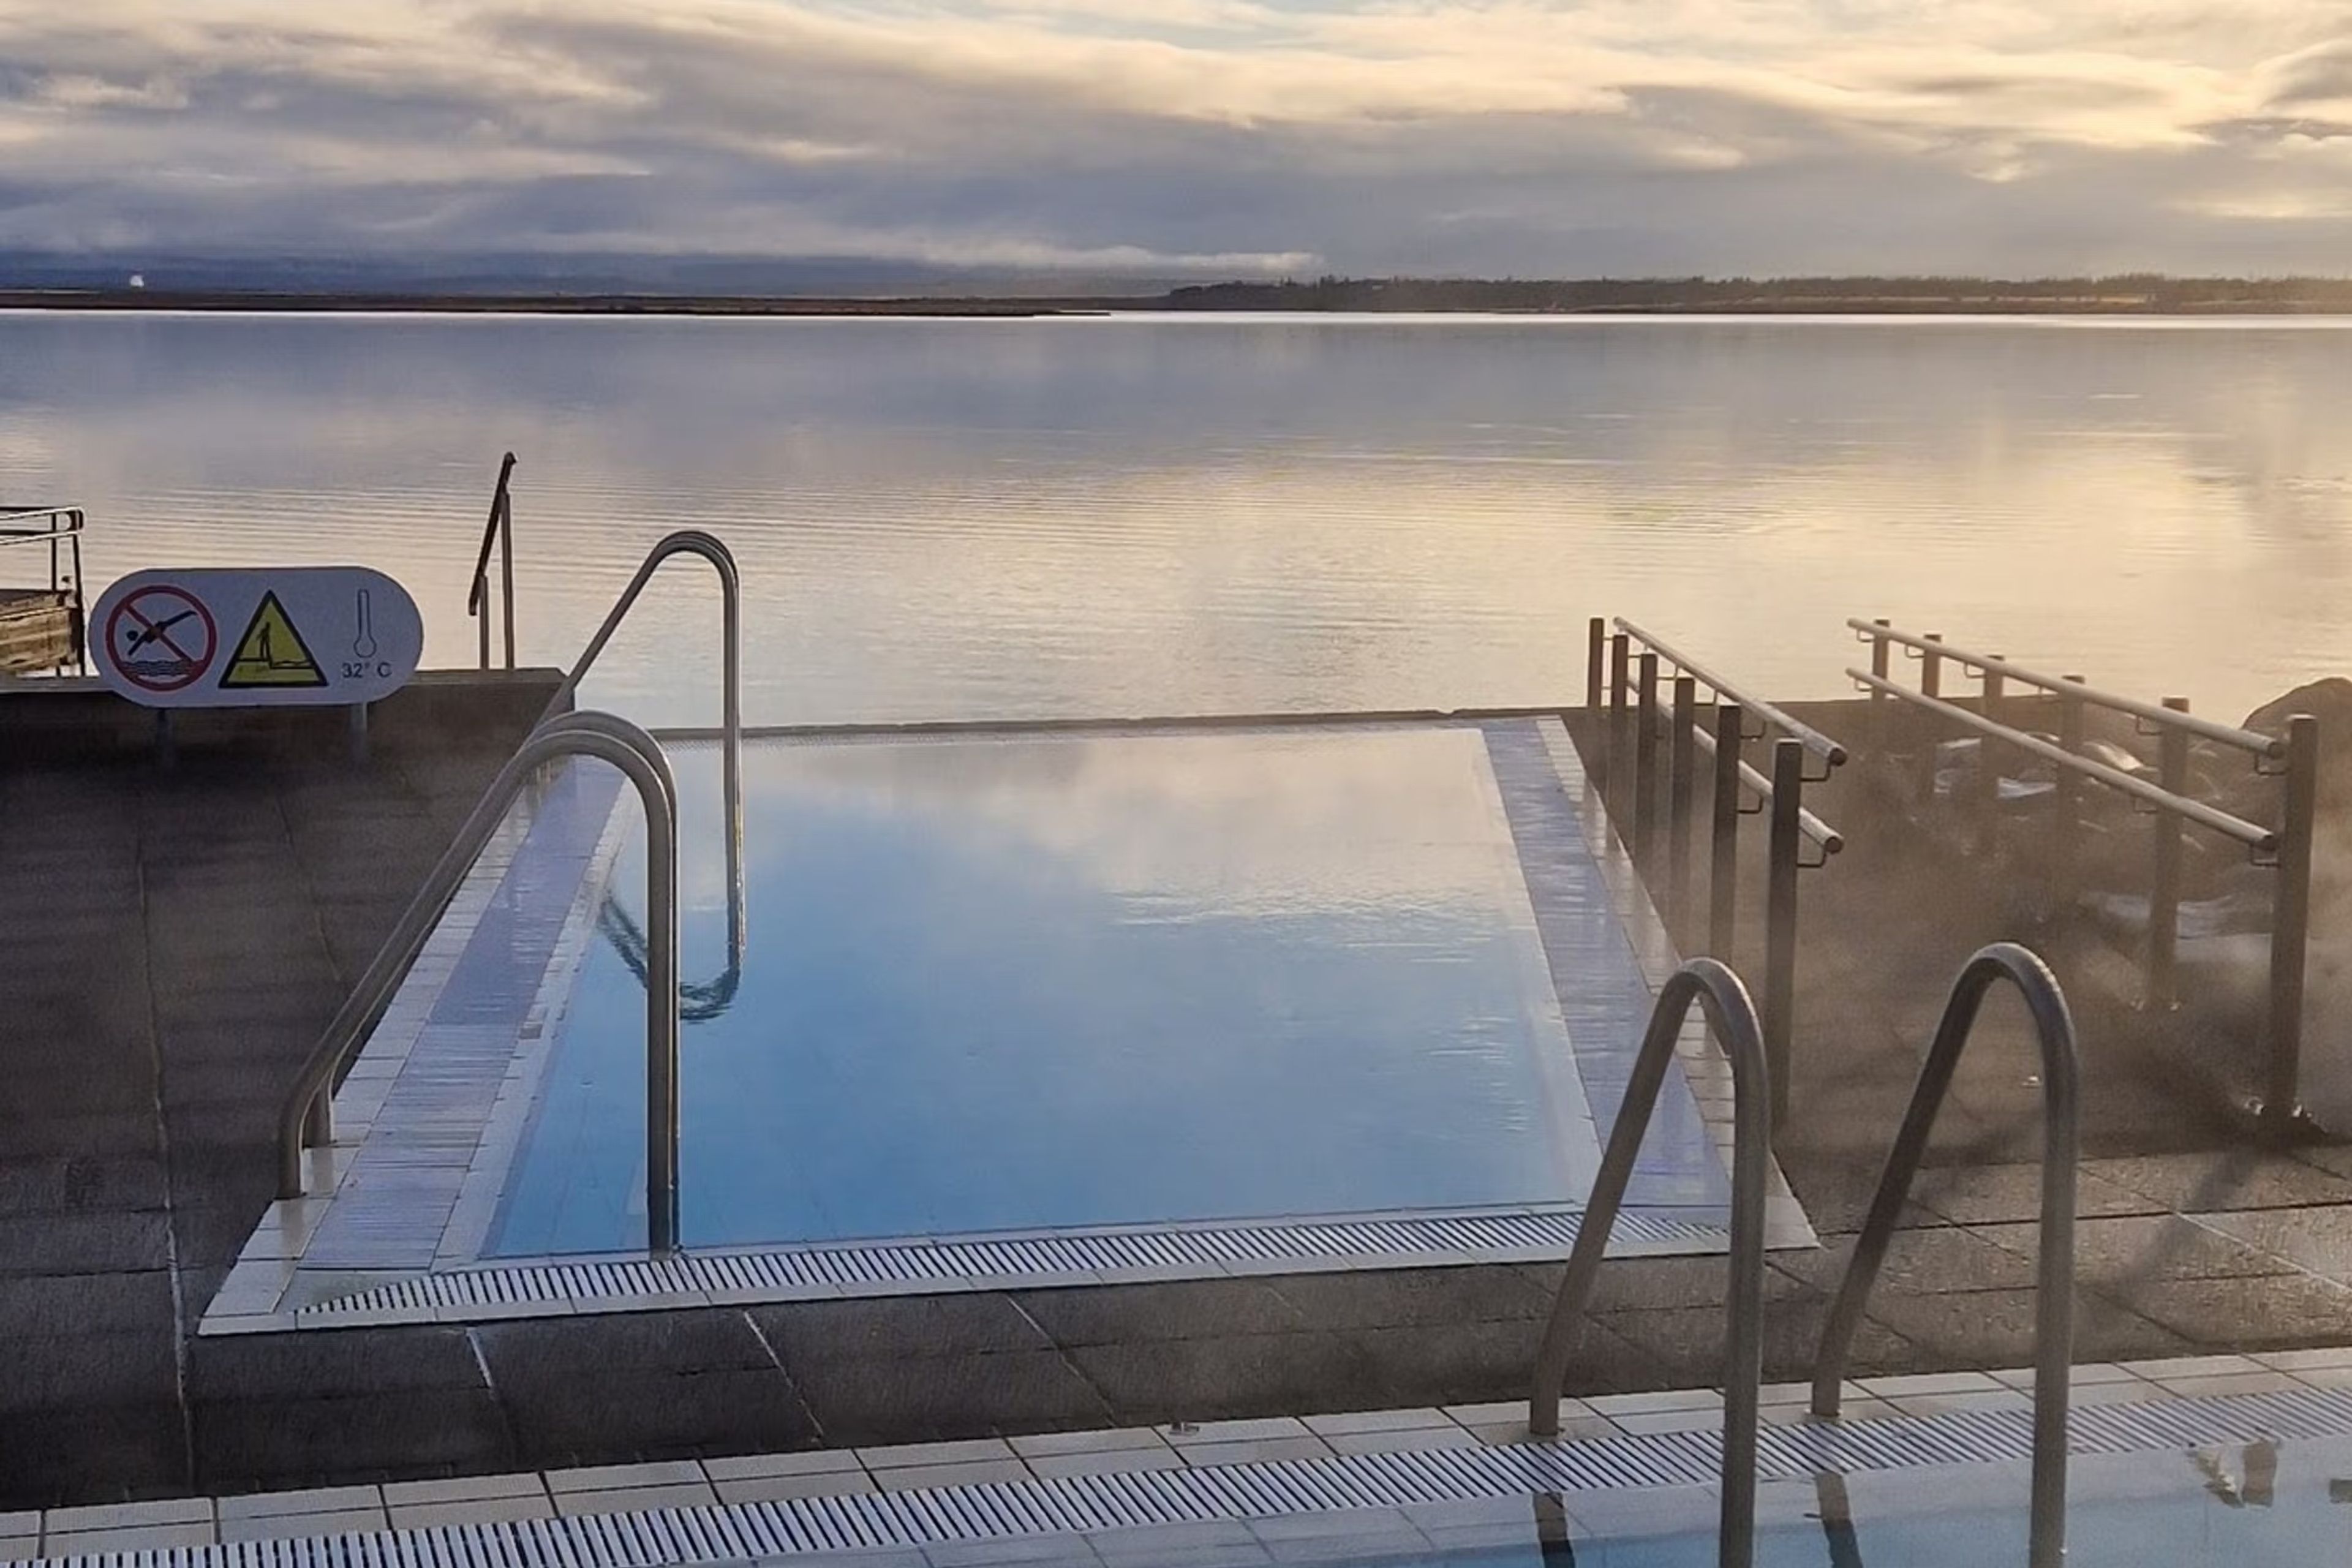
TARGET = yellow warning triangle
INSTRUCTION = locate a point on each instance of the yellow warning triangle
(272, 652)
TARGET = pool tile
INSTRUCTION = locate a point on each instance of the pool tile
(1049, 1445)
(289, 1525)
(975, 1472)
(606, 1477)
(634, 1499)
(761, 1467)
(900, 1455)
(783, 1488)
(464, 1488)
(1252, 1451)
(476, 1511)
(1105, 1461)
(126, 1538)
(313, 1499)
(1369, 1421)
(1234, 1431)
(130, 1515)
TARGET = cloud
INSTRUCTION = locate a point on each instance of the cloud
(1200, 136)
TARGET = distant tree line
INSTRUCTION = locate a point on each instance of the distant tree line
(2131, 292)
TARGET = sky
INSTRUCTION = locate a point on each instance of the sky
(1184, 138)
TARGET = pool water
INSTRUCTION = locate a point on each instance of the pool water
(1052, 982)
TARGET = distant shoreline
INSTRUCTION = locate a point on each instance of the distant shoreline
(1590, 298)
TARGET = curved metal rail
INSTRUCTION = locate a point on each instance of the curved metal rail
(307, 1118)
(711, 548)
(2054, 1026)
(499, 529)
(1712, 985)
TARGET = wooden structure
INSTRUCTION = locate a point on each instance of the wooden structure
(42, 628)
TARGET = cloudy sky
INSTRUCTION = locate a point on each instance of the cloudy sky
(1194, 136)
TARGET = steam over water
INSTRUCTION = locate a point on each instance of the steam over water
(957, 518)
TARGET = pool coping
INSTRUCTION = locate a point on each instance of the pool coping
(1292, 1479)
(281, 1284)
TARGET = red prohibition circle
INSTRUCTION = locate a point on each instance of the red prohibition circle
(157, 628)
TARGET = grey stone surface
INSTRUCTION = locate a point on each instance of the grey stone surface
(177, 941)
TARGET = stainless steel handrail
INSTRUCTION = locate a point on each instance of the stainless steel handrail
(2054, 1344)
(1820, 745)
(1828, 839)
(2154, 713)
(499, 528)
(711, 548)
(2253, 835)
(1712, 986)
(307, 1117)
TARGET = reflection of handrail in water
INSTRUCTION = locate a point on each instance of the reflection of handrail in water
(698, 1002)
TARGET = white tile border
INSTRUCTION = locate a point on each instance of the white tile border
(1235, 1447)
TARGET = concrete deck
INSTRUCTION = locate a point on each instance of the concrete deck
(176, 943)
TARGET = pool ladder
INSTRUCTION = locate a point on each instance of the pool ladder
(307, 1120)
(1709, 984)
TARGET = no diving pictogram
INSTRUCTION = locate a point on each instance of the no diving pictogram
(161, 639)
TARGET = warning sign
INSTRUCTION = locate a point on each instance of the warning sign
(272, 652)
(161, 639)
(312, 635)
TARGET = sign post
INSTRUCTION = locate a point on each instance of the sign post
(270, 638)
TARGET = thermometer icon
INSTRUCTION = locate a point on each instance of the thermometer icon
(364, 644)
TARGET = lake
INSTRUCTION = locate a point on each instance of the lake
(957, 518)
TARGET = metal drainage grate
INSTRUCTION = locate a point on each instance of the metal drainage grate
(1085, 1504)
(1370, 1242)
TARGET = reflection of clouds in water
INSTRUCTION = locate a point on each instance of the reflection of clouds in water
(951, 519)
(1393, 823)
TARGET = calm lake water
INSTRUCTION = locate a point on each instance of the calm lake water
(1154, 515)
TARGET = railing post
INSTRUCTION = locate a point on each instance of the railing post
(2066, 803)
(1878, 658)
(2164, 889)
(1621, 731)
(1596, 654)
(1988, 802)
(1645, 761)
(482, 620)
(506, 567)
(1722, 869)
(1780, 922)
(2291, 924)
(1682, 756)
(1931, 667)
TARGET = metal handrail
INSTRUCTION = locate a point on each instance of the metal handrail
(2154, 713)
(2252, 835)
(2053, 1027)
(711, 548)
(1819, 744)
(500, 530)
(1712, 986)
(1828, 839)
(307, 1117)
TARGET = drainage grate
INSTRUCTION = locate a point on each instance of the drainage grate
(1085, 1504)
(1370, 1242)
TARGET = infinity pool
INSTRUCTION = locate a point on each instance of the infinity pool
(1127, 979)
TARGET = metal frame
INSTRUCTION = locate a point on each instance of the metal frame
(1687, 737)
(499, 528)
(2294, 758)
(307, 1118)
(1710, 984)
(2053, 1028)
(60, 525)
(711, 548)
